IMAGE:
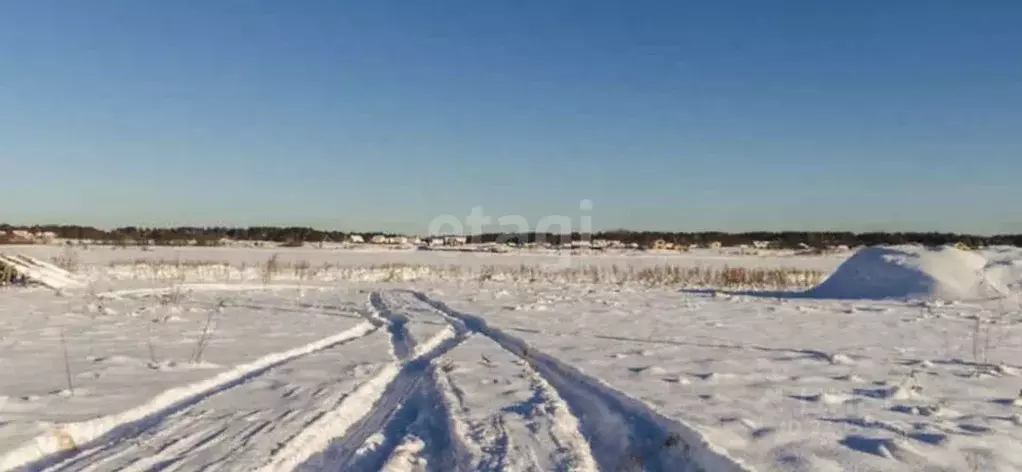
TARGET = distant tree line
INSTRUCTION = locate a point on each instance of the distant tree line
(203, 236)
(783, 239)
(814, 239)
(300, 235)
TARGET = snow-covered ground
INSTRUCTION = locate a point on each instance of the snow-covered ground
(238, 257)
(144, 374)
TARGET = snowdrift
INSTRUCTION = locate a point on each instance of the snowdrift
(1004, 264)
(40, 272)
(912, 272)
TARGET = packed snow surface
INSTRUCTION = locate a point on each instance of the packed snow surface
(493, 376)
(914, 272)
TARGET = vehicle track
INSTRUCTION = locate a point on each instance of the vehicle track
(505, 415)
(624, 433)
(427, 420)
(75, 446)
(446, 392)
(240, 425)
(409, 406)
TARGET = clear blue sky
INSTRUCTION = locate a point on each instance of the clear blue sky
(730, 115)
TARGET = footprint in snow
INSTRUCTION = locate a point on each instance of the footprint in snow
(648, 369)
(824, 398)
(897, 392)
(1013, 402)
(924, 364)
(884, 447)
(67, 393)
(714, 376)
(676, 380)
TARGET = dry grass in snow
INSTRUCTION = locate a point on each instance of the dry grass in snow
(276, 270)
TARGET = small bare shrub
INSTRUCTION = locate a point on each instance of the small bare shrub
(67, 364)
(207, 331)
(271, 268)
(68, 260)
(8, 276)
(302, 270)
(152, 350)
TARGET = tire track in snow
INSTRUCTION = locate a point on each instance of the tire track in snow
(412, 323)
(240, 428)
(506, 415)
(624, 433)
(396, 401)
(488, 436)
(401, 343)
(50, 449)
(427, 422)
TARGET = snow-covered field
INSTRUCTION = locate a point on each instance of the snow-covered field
(911, 362)
(95, 256)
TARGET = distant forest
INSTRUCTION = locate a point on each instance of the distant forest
(210, 236)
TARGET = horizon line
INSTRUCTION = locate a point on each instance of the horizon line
(497, 232)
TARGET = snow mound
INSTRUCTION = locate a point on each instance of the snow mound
(39, 272)
(911, 272)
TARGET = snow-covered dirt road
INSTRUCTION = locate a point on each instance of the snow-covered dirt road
(469, 397)
(416, 386)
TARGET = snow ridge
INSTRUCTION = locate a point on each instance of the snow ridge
(403, 400)
(41, 272)
(624, 433)
(51, 448)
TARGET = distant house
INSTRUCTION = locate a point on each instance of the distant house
(356, 239)
(20, 235)
(607, 243)
(962, 246)
(715, 245)
(378, 239)
(761, 244)
(455, 240)
(435, 242)
(398, 240)
(662, 245)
